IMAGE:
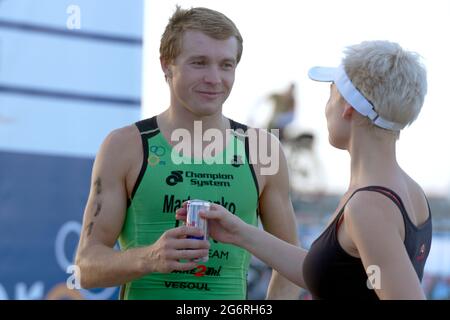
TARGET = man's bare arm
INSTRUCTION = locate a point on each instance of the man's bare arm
(100, 264)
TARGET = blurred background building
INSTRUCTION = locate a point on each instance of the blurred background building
(70, 72)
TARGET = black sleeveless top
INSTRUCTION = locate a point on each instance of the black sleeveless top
(331, 273)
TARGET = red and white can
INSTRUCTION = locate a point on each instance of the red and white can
(193, 219)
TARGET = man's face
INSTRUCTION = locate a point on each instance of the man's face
(202, 75)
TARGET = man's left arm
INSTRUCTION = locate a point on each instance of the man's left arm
(278, 218)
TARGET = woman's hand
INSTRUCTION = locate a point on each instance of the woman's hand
(223, 226)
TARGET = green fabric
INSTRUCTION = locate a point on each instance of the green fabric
(152, 211)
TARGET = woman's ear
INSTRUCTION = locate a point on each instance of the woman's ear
(348, 111)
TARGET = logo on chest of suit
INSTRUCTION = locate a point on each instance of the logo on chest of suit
(200, 179)
(155, 154)
(174, 178)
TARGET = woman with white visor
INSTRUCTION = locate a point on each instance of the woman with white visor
(379, 237)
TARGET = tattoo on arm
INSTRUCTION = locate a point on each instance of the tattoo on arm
(98, 191)
(89, 227)
(98, 209)
(98, 186)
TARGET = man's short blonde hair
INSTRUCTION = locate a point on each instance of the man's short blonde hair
(210, 22)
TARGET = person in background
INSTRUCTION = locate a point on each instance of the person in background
(283, 110)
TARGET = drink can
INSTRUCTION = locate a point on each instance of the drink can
(193, 219)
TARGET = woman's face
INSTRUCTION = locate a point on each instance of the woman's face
(338, 125)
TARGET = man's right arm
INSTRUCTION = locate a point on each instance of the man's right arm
(102, 266)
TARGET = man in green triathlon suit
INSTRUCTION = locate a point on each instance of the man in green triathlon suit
(141, 176)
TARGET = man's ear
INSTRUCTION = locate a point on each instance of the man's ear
(166, 68)
(348, 111)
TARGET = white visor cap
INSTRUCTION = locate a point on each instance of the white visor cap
(352, 95)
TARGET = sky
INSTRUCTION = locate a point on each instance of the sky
(284, 38)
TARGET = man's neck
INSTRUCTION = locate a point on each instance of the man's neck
(179, 118)
(169, 122)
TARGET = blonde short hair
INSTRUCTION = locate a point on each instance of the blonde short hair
(391, 78)
(210, 22)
